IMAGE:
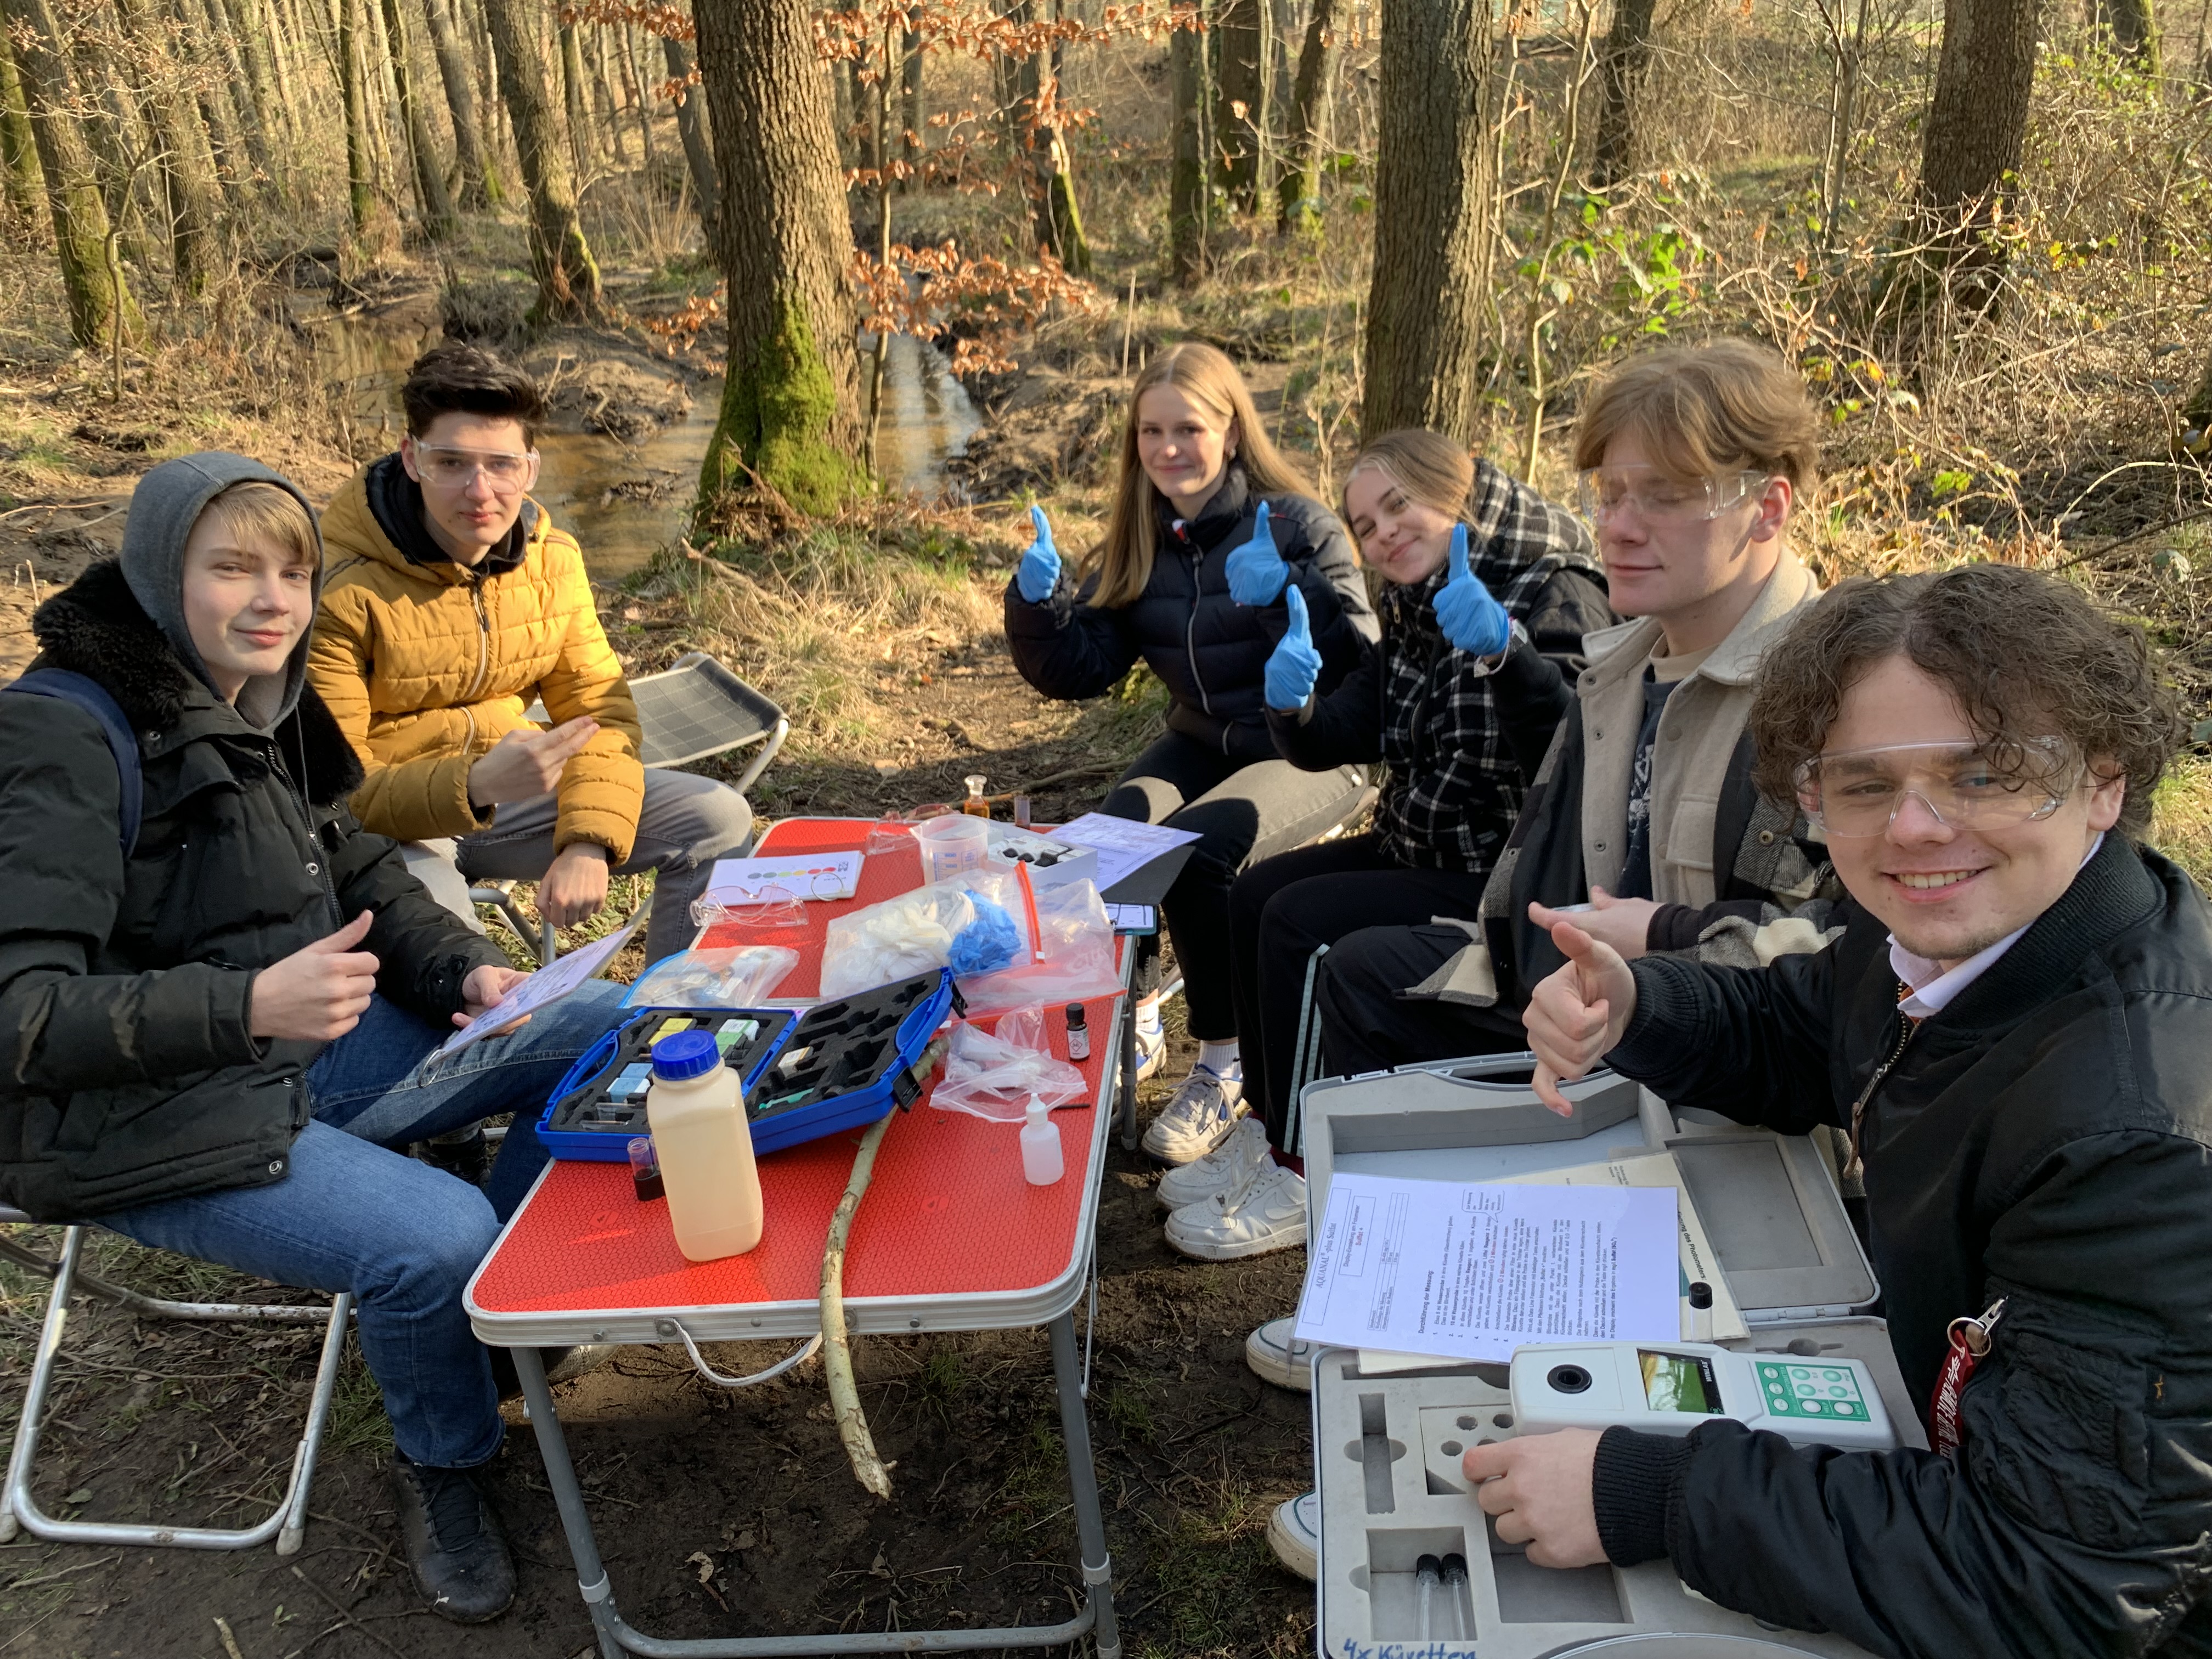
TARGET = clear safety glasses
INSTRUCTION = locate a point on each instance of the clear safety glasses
(456, 469)
(1663, 497)
(1857, 792)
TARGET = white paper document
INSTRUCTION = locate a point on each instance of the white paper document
(804, 876)
(1124, 846)
(546, 985)
(1473, 1270)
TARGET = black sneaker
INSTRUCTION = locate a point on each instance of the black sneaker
(453, 1542)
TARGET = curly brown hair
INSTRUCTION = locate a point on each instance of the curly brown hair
(2027, 654)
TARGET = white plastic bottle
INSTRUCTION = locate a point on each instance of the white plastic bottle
(1042, 1163)
(697, 1115)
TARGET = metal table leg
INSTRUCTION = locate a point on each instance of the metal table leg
(1128, 1063)
(617, 1639)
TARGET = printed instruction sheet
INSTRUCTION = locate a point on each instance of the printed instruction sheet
(1465, 1270)
(546, 986)
(1124, 846)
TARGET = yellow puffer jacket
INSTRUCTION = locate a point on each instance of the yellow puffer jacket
(428, 665)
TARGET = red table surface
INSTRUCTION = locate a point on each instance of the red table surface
(946, 1213)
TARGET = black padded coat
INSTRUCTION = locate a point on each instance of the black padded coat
(1209, 651)
(126, 990)
(2046, 1138)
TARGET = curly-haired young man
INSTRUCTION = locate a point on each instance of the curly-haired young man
(2013, 1032)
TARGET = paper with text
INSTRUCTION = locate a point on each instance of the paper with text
(547, 985)
(1124, 846)
(1473, 1270)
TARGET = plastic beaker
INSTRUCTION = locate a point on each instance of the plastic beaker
(953, 845)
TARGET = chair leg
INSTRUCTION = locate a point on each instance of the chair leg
(289, 1517)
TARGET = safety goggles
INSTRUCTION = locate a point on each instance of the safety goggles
(1858, 792)
(456, 469)
(1663, 497)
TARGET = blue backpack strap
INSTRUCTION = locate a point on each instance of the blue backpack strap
(93, 697)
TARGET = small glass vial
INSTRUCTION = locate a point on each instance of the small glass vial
(1079, 1033)
(1042, 1163)
(644, 1170)
(975, 806)
(1021, 811)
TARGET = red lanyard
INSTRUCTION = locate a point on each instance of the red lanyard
(1970, 1341)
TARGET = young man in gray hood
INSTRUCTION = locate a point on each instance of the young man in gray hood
(213, 1022)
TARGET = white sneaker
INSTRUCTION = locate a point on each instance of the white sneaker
(1224, 1169)
(1268, 1212)
(1151, 1052)
(1282, 1359)
(1294, 1534)
(1196, 1121)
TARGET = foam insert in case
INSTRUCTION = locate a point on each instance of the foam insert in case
(806, 1073)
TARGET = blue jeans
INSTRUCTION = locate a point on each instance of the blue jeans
(356, 1215)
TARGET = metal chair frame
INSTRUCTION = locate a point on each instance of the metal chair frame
(287, 1524)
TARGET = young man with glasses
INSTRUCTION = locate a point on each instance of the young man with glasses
(2012, 1033)
(452, 602)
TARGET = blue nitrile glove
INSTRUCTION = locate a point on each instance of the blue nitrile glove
(1295, 665)
(1470, 616)
(1039, 571)
(1256, 570)
(986, 944)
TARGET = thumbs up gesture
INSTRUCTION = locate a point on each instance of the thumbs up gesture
(1256, 570)
(1038, 573)
(1471, 619)
(1288, 679)
(318, 993)
(1579, 1013)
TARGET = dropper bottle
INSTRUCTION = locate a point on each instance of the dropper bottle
(975, 806)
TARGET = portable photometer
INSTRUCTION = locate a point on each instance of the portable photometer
(1671, 1390)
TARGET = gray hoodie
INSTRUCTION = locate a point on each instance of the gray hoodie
(164, 508)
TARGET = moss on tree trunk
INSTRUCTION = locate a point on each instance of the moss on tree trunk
(778, 419)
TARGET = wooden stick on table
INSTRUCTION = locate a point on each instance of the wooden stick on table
(836, 1348)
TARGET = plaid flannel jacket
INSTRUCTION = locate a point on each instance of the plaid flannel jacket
(1455, 788)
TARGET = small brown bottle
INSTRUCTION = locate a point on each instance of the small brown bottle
(975, 806)
(1079, 1033)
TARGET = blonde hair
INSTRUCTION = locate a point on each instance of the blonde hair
(1427, 465)
(1207, 378)
(269, 515)
(1701, 410)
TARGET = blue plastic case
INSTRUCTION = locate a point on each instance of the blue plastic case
(851, 1062)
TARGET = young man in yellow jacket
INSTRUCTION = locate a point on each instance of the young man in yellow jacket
(449, 602)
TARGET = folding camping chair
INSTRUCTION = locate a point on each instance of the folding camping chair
(285, 1523)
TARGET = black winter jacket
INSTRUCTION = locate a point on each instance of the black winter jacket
(1209, 651)
(1462, 744)
(126, 993)
(2047, 1139)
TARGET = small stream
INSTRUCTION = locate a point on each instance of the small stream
(625, 502)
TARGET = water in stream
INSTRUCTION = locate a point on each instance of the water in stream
(622, 501)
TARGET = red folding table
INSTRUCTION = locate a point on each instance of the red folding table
(950, 1237)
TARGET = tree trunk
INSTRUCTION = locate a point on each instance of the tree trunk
(230, 99)
(280, 66)
(195, 204)
(601, 86)
(634, 84)
(479, 185)
(1240, 36)
(568, 279)
(119, 149)
(1623, 66)
(1188, 197)
(1051, 183)
(1433, 191)
(1976, 122)
(790, 406)
(1299, 193)
(911, 124)
(581, 150)
(251, 49)
(438, 221)
(361, 190)
(2132, 26)
(19, 145)
(100, 308)
(698, 155)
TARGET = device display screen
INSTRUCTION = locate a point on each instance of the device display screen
(1680, 1382)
